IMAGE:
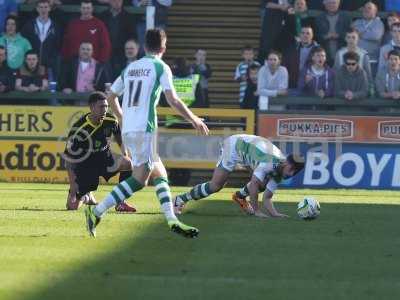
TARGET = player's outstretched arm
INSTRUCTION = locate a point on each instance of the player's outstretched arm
(185, 112)
(253, 187)
(112, 100)
(269, 205)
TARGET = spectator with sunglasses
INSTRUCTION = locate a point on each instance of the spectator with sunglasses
(351, 80)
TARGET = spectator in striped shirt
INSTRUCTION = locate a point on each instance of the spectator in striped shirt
(241, 70)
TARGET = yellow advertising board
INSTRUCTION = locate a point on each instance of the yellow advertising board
(31, 161)
(32, 140)
(38, 121)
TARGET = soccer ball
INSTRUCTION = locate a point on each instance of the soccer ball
(308, 208)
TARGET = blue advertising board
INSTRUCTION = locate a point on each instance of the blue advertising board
(347, 165)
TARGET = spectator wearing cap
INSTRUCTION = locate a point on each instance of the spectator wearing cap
(388, 80)
(351, 81)
(15, 44)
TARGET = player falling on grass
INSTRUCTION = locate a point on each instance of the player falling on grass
(88, 155)
(269, 167)
(141, 84)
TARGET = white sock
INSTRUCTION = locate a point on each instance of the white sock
(104, 205)
(168, 211)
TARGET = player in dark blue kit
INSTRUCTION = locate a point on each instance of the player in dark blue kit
(88, 155)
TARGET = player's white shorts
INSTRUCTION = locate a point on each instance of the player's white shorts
(228, 157)
(142, 147)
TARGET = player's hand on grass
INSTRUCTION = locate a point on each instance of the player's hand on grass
(200, 126)
(260, 214)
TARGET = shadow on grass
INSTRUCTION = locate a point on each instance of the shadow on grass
(350, 251)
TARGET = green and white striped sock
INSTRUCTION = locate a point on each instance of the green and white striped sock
(164, 196)
(198, 192)
(119, 193)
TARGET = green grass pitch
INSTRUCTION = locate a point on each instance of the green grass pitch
(351, 252)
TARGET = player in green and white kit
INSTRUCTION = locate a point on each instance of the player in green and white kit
(269, 167)
(141, 84)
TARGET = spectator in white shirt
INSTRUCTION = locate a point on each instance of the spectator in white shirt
(273, 79)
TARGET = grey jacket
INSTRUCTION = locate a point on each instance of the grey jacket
(322, 27)
(356, 82)
(364, 61)
(386, 82)
(383, 54)
(371, 33)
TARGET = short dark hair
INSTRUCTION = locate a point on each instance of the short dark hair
(307, 26)
(42, 1)
(317, 49)
(393, 14)
(253, 66)
(3, 48)
(352, 30)
(96, 96)
(132, 40)
(31, 52)
(86, 42)
(351, 56)
(12, 17)
(277, 53)
(154, 39)
(297, 161)
(86, 1)
(247, 48)
(397, 24)
(394, 52)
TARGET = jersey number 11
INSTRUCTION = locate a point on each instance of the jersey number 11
(134, 93)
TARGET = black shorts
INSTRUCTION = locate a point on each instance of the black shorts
(89, 171)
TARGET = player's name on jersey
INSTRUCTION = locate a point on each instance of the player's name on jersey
(139, 72)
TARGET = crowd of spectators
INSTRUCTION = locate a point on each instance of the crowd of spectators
(328, 54)
(333, 53)
(50, 47)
